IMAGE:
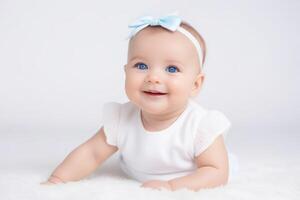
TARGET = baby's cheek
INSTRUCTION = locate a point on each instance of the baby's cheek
(132, 86)
(129, 87)
(134, 78)
(177, 86)
(180, 90)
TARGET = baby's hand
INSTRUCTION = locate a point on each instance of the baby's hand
(52, 180)
(47, 183)
(156, 184)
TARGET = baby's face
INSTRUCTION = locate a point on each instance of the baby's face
(162, 70)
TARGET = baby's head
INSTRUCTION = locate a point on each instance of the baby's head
(164, 68)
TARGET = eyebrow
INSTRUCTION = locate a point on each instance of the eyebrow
(167, 61)
(175, 61)
(137, 57)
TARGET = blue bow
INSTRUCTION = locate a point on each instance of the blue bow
(170, 22)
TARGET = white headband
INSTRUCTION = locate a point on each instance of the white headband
(170, 22)
(194, 41)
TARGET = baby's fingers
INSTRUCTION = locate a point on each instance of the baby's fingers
(47, 183)
(52, 180)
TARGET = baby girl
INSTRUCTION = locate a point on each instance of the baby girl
(165, 139)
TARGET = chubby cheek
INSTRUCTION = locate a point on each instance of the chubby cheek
(132, 85)
(179, 88)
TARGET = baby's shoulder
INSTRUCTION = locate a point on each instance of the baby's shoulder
(204, 115)
(124, 110)
(196, 111)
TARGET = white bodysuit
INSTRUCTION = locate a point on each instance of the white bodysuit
(165, 154)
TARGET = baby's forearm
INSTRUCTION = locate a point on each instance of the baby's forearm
(204, 177)
(78, 164)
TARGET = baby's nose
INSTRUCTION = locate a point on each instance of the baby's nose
(153, 77)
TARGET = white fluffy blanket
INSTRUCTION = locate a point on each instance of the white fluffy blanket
(26, 161)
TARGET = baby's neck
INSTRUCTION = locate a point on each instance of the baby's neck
(154, 122)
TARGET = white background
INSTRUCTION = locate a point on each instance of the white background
(61, 60)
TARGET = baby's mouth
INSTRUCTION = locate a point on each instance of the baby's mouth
(154, 93)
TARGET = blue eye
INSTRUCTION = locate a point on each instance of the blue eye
(172, 69)
(141, 66)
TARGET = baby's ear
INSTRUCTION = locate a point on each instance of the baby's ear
(198, 82)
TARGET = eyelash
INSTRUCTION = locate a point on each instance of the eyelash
(176, 68)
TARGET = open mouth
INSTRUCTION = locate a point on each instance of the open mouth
(154, 93)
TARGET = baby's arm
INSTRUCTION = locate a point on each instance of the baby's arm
(212, 169)
(83, 160)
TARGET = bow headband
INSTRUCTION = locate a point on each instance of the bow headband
(170, 22)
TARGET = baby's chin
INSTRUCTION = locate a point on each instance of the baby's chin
(154, 107)
(153, 111)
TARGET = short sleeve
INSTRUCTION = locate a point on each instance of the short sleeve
(110, 119)
(213, 124)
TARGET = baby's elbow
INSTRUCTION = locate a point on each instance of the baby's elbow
(223, 177)
(220, 179)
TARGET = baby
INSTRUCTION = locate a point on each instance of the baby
(165, 139)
